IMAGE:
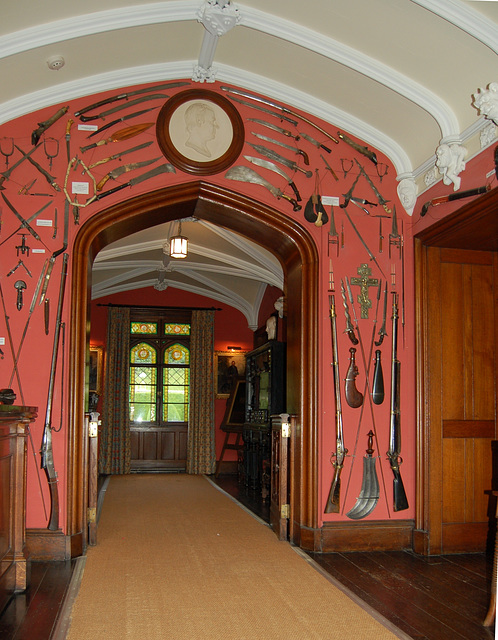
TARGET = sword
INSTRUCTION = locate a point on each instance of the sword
(295, 150)
(280, 116)
(382, 330)
(372, 257)
(273, 167)
(245, 174)
(68, 139)
(50, 179)
(329, 168)
(275, 105)
(144, 145)
(109, 112)
(381, 200)
(122, 119)
(25, 223)
(115, 173)
(273, 155)
(6, 174)
(369, 494)
(123, 96)
(274, 127)
(163, 168)
(314, 142)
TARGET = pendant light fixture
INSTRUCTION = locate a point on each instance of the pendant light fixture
(178, 245)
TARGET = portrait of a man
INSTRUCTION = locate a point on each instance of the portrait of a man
(201, 127)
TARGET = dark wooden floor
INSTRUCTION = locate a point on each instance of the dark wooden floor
(436, 598)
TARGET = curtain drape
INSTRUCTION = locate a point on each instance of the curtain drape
(201, 455)
(115, 452)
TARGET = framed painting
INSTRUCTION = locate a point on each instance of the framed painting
(200, 132)
(96, 369)
(229, 366)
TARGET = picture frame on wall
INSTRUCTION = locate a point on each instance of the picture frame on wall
(229, 366)
(200, 132)
(95, 376)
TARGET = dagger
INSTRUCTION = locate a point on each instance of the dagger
(295, 150)
(163, 168)
(123, 96)
(25, 223)
(122, 134)
(273, 155)
(273, 167)
(329, 168)
(274, 127)
(122, 119)
(381, 200)
(68, 138)
(245, 174)
(349, 324)
(109, 112)
(115, 173)
(121, 153)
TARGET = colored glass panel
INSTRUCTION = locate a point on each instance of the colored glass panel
(144, 327)
(175, 329)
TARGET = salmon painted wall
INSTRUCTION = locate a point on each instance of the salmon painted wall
(337, 262)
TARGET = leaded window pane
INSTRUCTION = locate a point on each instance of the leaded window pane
(144, 327)
(176, 354)
(175, 329)
(143, 353)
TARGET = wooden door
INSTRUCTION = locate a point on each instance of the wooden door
(279, 483)
(457, 397)
(159, 448)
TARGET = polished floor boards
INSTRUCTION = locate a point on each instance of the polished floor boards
(436, 598)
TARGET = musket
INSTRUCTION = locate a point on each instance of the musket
(273, 155)
(284, 110)
(47, 456)
(453, 196)
(126, 95)
(43, 126)
(260, 162)
(382, 201)
(400, 501)
(334, 498)
(246, 174)
(295, 150)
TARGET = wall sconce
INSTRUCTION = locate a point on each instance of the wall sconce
(178, 245)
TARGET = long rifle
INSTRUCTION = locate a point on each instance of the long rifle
(400, 501)
(47, 457)
(333, 502)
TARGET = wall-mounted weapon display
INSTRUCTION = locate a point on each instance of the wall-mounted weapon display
(370, 490)
(246, 174)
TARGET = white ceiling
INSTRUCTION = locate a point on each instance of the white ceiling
(398, 74)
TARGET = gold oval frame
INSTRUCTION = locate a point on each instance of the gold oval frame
(203, 147)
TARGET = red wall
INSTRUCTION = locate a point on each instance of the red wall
(35, 358)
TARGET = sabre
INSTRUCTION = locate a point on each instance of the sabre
(245, 174)
(273, 167)
(275, 105)
(372, 257)
(295, 150)
(274, 127)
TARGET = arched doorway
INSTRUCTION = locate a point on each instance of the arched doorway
(295, 249)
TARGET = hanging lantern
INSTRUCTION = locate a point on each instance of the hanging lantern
(178, 245)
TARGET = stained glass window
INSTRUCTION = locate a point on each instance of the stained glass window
(143, 383)
(144, 327)
(175, 329)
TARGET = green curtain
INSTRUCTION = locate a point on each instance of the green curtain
(115, 452)
(201, 455)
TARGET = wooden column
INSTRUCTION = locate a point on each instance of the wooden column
(14, 424)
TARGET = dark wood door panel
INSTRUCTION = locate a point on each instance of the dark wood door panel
(159, 448)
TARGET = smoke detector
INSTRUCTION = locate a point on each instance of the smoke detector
(56, 62)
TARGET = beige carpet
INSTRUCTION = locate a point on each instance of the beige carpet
(179, 559)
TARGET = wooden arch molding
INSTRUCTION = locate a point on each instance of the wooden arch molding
(289, 242)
